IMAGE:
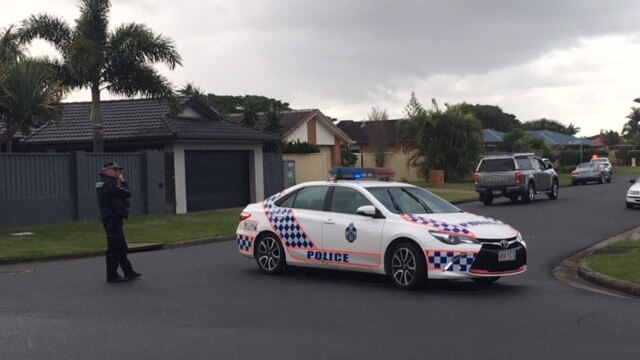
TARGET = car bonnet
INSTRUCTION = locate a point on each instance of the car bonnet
(468, 224)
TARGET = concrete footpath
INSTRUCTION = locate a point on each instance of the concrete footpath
(576, 267)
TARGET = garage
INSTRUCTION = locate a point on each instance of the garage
(217, 179)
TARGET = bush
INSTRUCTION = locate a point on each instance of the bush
(349, 158)
(297, 147)
(632, 154)
(572, 157)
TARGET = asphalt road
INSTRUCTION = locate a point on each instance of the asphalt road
(208, 302)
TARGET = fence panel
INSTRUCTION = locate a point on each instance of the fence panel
(273, 173)
(396, 161)
(309, 167)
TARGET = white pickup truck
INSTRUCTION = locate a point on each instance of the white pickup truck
(514, 176)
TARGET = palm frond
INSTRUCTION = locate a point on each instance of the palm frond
(137, 43)
(48, 28)
(93, 22)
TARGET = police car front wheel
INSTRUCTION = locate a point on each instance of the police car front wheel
(408, 266)
(270, 254)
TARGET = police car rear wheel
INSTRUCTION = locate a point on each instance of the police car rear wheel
(270, 255)
(408, 266)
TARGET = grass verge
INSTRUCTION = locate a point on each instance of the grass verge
(621, 263)
(85, 237)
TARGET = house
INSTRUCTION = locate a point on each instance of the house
(369, 135)
(210, 163)
(310, 126)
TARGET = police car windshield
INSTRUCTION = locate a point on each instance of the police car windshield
(411, 200)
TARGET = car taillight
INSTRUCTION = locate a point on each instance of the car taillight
(244, 216)
(519, 177)
(476, 179)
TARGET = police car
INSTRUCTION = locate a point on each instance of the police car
(355, 222)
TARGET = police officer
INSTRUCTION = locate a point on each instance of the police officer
(113, 192)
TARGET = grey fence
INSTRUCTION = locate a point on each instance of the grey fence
(53, 188)
(273, 173)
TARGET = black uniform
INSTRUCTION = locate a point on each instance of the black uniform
(114, 208)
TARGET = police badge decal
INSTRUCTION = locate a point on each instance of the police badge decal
(351, 233)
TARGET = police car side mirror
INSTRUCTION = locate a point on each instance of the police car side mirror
(631, 181)
(550, 166)
(369, 210)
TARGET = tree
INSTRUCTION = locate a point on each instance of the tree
(516, 140)
(413, 108)
(228, 104)
(250, 113)
(190, 89)
(492, 117)
(449, 140)
(377, 132)
(273, 123)
(610, 138)
(93, 57)
(631, 130)
(551, 125)
(10, 48)
(28, 92)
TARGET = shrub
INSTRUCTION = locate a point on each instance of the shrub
(297, 147)
(349, 158)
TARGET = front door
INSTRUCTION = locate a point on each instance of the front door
(349, 239)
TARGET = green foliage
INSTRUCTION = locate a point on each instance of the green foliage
(610, 138)
(228, 104)
(273, 118)
(349, 158)
(28, 93)
(571, 157)
(10, 48)
(94, 57)
(297, 147)
(631, 129)
(492, 117)
(630, 155)
(449, 140)
(413, 108)
(551, 125)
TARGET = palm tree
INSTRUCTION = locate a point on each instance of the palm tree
(10, 48)
(190, 89)
(94, 57)
(631, 130)
(28, 92)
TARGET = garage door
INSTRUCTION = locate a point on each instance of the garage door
(217, 179)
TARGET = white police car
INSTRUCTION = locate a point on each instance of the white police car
(381, 227)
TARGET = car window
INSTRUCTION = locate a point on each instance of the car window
(411, 200)
(310, 198)
(494, 165)
(524, 163)
(347, 201)
(541, 165)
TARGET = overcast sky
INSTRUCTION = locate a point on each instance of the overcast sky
(573, 61)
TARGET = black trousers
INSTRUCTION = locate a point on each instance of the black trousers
(116, 247)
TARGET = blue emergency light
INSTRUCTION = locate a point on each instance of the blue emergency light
(349, 173)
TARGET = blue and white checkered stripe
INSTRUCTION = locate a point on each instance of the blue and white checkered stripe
(286, 225)
(245, 242)
(439, 225)
(450, 260)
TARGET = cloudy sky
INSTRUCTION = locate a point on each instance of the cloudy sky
(573, 61)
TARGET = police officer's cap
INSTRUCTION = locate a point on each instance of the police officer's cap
(110, 165)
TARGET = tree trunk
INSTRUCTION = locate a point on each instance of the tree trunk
(7, 137)
(96, 120)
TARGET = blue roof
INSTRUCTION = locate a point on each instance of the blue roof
(550, 137)
(554, 138)
(492, 136)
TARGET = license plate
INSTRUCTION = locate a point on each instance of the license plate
(497, 192)
(507, 255)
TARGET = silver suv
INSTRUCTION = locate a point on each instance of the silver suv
(514, 176)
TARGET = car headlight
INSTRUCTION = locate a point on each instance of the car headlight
(451, 239)
(633, 192)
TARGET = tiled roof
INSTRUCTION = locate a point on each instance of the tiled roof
(492, 136)
(141, 119)
(357, 130)
(554, 138)
(290, 120)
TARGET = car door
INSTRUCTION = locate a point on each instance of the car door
(543, 175)
(297, 220)
(349, 239)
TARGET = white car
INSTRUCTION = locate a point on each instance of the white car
(633, 194)
(604, 163)
(380, 227)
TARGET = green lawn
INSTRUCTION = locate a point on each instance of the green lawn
(621, 263)
(83, 237)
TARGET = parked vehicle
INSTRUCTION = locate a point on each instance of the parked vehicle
(514, 176)
(590, 172)
(391, 228)
(633, 194)
(604, 162)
